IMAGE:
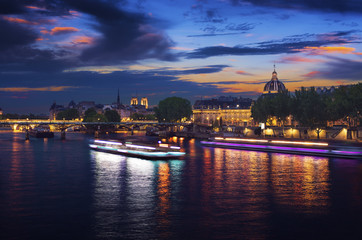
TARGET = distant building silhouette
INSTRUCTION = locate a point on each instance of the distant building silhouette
(125, 111)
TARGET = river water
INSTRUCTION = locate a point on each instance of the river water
(54, 189)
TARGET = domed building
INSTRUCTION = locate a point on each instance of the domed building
(274, 85)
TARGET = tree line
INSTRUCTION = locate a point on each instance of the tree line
(310, 108)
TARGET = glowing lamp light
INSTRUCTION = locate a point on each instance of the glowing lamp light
(299, 143)
(241, 139)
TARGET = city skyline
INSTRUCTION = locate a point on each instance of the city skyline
(85, 50)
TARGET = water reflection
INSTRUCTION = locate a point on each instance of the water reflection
(300, 183)
(107, 190)
(64, 190)
(164, 194)
(238, 191)
(131, 193)
(21, 175)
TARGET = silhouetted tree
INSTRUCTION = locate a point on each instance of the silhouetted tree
(310, 109)
(346, 103)
(68, 114)
(263, 110)
(112, 116)
(91, 115)
(173, 109)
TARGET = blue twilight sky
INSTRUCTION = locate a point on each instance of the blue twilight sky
(63, 50)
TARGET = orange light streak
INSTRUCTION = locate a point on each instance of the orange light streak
(300, 143)
(241, 139)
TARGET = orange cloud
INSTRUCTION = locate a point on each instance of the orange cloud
(324, 50)
(311, 74)
(35, 8)
(19, 20)
(74, 13)
(298, 59)
(60, 30)
(243, 73)
(41, 89)
(45, 32)
(82, 40)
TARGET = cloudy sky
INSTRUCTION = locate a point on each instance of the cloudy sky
(63, 50)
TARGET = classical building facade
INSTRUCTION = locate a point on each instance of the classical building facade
(232, 111)
(229, 111)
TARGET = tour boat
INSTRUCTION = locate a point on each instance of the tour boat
(286, 146)
(41, 132)
(161, 151)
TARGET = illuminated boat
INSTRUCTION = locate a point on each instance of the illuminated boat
(161, 151)
(285, 146)
(41, 132)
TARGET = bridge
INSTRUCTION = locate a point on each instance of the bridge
(62, 125)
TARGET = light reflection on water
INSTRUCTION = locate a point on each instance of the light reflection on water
(301, 183)
(132, 197)
(67, 190)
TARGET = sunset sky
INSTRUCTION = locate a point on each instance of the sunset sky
(63, 50)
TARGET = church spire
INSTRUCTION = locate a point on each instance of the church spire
(118, 100)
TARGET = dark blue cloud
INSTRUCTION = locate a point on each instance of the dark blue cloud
(341, 6)
(14, 35)
(123, 37)
(212, 34)
(224, 30)
(342, 69)
(291, 44)
(202, 70)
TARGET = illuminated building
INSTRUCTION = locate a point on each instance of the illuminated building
(144, 102)
(230, 111)
(134, 101)
(1, 112)
(140, 107)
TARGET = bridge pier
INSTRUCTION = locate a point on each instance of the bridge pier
(26, 135)
(96, 133)
(62, 134)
